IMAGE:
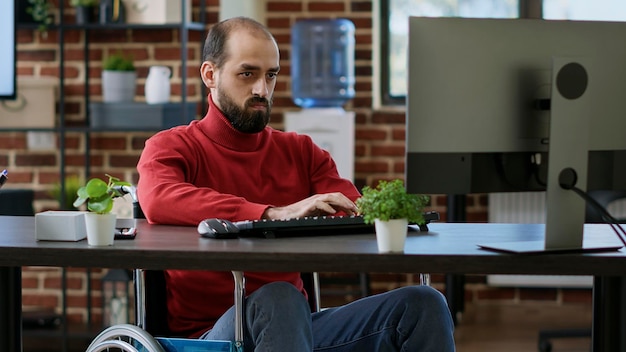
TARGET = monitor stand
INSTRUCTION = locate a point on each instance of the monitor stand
(570, 109)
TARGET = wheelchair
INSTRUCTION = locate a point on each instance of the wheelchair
(151, 319)
(151, 329)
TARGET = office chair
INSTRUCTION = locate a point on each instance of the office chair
(592, 216)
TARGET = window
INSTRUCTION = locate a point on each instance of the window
(394, 26)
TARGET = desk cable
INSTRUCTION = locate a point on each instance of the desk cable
(568, 179)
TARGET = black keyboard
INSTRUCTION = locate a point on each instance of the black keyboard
(313, 226)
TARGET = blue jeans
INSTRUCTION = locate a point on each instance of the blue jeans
(278, 318)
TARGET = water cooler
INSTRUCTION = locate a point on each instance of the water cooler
(322, 81)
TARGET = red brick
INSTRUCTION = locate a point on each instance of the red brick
(71, 283)
(370, 134)
(13, 141)
(138, 142)
(496, 294)
(361, 6)
(326, 6)
(388, 117)
(371, 167)
(36, 55)
(388, 150)
(29, 282)
(124, 160)
(538, 294)
(283, 6)
(25, 36)
(35, 160)
(152, 36)
(108, 143)
(577, 296)
(40, 300)
(173, 53)
(278, 22)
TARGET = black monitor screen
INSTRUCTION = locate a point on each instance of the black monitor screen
(475, 120)
(7, 48)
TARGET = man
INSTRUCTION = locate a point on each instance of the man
(231, 165)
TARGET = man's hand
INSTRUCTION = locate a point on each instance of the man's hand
(317, 205)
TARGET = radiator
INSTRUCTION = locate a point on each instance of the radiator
(529, 208)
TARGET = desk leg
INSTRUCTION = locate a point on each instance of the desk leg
(11, 309)
(455, 283)
(609, 314)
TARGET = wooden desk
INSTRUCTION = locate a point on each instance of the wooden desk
(447, 248)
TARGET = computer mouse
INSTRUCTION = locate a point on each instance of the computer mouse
(217, 228)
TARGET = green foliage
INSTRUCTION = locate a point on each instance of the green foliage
(118, 62)
(40, 12)
(99, 194)
(85, 3)
(389, 200)
(72, 184)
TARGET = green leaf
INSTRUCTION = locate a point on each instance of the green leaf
(99, 194)
(389, 200)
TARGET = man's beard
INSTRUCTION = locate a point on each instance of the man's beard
(244, 120)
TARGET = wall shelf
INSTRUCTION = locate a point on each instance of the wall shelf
(66, 332)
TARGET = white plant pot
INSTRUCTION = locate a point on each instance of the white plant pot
(100, 229)
(391, 235)
(118, 86)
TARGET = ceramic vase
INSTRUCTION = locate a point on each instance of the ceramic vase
(100, 229)
(157, 87)
(118, 86)
(391, 235)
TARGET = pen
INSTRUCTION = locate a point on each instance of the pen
(3, 177)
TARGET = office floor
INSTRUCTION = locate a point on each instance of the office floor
(483, 328)
(516, 328)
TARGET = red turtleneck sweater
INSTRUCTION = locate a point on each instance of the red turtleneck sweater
(208, 169)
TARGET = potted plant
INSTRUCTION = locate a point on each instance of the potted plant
(85, 10)
(390, 208)
(118, 78)
(72, 184)
(99, 220)
(39, 10)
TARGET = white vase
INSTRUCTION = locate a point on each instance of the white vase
(157, 87)
(391, 235)
(100, 229)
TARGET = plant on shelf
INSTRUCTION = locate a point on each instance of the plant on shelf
(85, 10)
(118, 62)
(39, 10)
(72, 184)
(85, 3)
(118, 78)
(389, 200)
(99, 195)
(390, 208)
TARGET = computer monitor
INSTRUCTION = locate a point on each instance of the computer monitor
(8, 73)
(491, 100)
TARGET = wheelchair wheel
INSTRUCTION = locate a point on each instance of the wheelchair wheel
(124, 338)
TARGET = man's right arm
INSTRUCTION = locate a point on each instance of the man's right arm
(167, 196)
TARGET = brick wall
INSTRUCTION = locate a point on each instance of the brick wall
(379, 134)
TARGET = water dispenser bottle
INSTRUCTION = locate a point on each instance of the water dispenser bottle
(322, 62)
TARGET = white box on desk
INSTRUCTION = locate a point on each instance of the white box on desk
(156, 11)
(55, 225)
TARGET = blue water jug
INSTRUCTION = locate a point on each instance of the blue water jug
(322, 62)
